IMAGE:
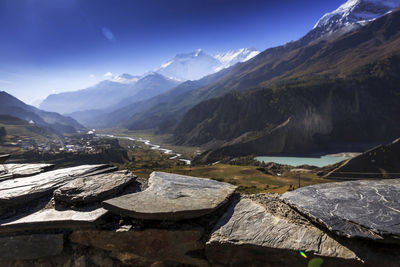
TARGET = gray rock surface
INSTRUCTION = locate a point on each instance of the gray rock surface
(367, 209)
(9, 171)
(250, 223)
(142, 248)
(22, 190)
(53, 219)
(93, 188)
(30, 246)
(172, 197)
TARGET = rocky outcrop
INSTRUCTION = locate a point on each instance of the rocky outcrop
(53, 219)
(250, 223)
(9, 171)
(356, 209)
(172, 197)
(186, 221)
(23, 190)
(93, 188)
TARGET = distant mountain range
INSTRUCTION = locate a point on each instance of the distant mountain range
(116, 91)
(198, 64)
(9, 105)
(121, 90)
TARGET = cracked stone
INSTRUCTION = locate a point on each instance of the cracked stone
(172, 197)
(25, 189)
(95, 188)
(10, 171)
(357, 209)
(53, 219)
(248, 223)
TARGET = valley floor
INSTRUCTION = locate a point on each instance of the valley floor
(249, 175)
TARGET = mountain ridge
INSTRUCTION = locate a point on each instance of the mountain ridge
(10, 105)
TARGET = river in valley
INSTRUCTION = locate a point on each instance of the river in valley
(173, 155)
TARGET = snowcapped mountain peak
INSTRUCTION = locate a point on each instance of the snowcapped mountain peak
(189, 66)
(353, 14)
(197, 64)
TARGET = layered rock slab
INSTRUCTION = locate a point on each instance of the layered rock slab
(141, 248)
(248, 227)
(95, 188)
(22, 190)
(10, 171)
(53, 219)
(172, 197)
(28, 247)
(357, 209)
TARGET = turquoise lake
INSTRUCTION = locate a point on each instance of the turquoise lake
(297, 161)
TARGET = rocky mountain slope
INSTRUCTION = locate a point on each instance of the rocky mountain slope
(330, 94)
(379, 162)
(10, 105)
(352, 15)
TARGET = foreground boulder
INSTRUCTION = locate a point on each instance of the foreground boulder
(172, 197)
(23, 190)
(271, 230)
(9, 171)
(364, 209)
(95, 188)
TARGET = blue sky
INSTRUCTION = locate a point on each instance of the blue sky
(49, 46)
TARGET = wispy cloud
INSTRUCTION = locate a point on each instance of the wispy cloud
(108, 75)
(4, 81)
(92, 76)
(108, 34)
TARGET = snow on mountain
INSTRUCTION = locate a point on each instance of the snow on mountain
(233, 57)
(189, 66)
(195, 65)
(125, 78)
(351, 15)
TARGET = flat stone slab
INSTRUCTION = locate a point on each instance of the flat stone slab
(53, 219)
(93, 188)
(22, 190)
(9, 171)
(247, 223)
(366, 209)
(172, 197)
(28, 247)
